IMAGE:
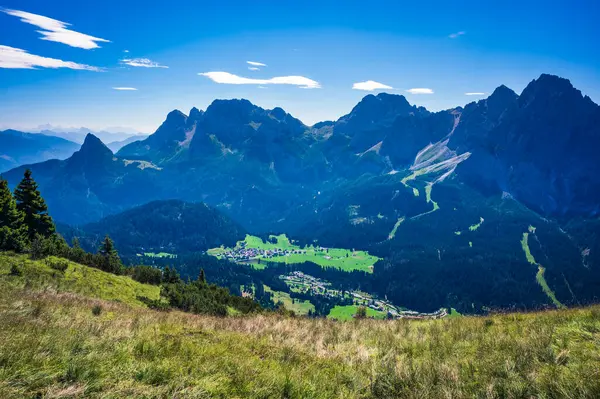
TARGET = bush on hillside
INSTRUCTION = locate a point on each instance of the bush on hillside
(57, 264)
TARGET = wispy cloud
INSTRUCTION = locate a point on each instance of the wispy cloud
(229, 78)
(370, 85)
(254, 68)
(420, 90)
(475, 93)
(125, 51)
(457, 34)
(125, 88)
(15, 58)
(57, 31)
(142, 62)
(254, 63)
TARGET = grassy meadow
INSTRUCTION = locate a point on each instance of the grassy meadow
(345, 313)
(61, 340)
(344, 259)
(297, 306)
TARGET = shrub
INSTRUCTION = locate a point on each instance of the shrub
(155, 304)
(96, 310)
(57, 264)
(15, 270)
(361, 313)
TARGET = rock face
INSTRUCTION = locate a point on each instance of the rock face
(538, 147)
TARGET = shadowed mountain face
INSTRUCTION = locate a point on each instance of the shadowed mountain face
(161, 226)
(450, 193)
(537, 147)
(92, 183)
(18, 148)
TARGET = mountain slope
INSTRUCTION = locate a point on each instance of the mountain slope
(92, 183)
(162, 226)
(54, 345)
(18, 148)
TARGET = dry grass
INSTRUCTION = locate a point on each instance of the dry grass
(53, 346)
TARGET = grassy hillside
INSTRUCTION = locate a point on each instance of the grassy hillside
(79, 279)
(53, 346)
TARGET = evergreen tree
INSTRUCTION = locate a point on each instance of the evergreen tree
(202, 277)
(77, 253)
(33, 206)
(13, 231)
(111, 261)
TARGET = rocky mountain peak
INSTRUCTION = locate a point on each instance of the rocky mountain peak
(93, 146)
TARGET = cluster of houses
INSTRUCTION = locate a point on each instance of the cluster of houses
(243, 254)
(320, 287)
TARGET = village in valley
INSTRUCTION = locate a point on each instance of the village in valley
(278, 248)
(304, 283)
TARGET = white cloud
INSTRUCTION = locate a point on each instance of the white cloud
(254, 68)
(457, 34)
(420, 90)
(125, 88)
(15, 58)
(56, 31)
(370, 85)
(125, 51)
(474, 94)
(142, 62)
(254, 63)
(229, 78)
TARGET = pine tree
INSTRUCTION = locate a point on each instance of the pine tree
(111, 262)
(202, 277)
(33, 206)
(13, 231)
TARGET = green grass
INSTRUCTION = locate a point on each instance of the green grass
(539, 277)
(53, 346)
(77, 278)
(159, 255)
(396, 225)
(428, 189)
(474, 227)
(344, 313)
(343, 259)
(453, 313)
(297, 306)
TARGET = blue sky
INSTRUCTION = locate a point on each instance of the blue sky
(444, 48)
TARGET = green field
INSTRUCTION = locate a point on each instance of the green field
(297, 306)
(539, 277)
(474, 227)
(396, 225)
(158, 255)
(343, 259)
(343, 313)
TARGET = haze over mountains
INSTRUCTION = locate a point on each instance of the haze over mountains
(18, 148)
(444, 197)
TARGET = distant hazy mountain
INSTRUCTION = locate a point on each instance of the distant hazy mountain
(18, 148)
(117, 145)
(92, 183)
(493, 204)
(77, 135)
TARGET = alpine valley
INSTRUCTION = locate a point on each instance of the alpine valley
(494, 205)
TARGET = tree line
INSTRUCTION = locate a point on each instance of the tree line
(27, 227)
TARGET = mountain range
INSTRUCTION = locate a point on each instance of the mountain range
(18, 148)
(490, 205)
